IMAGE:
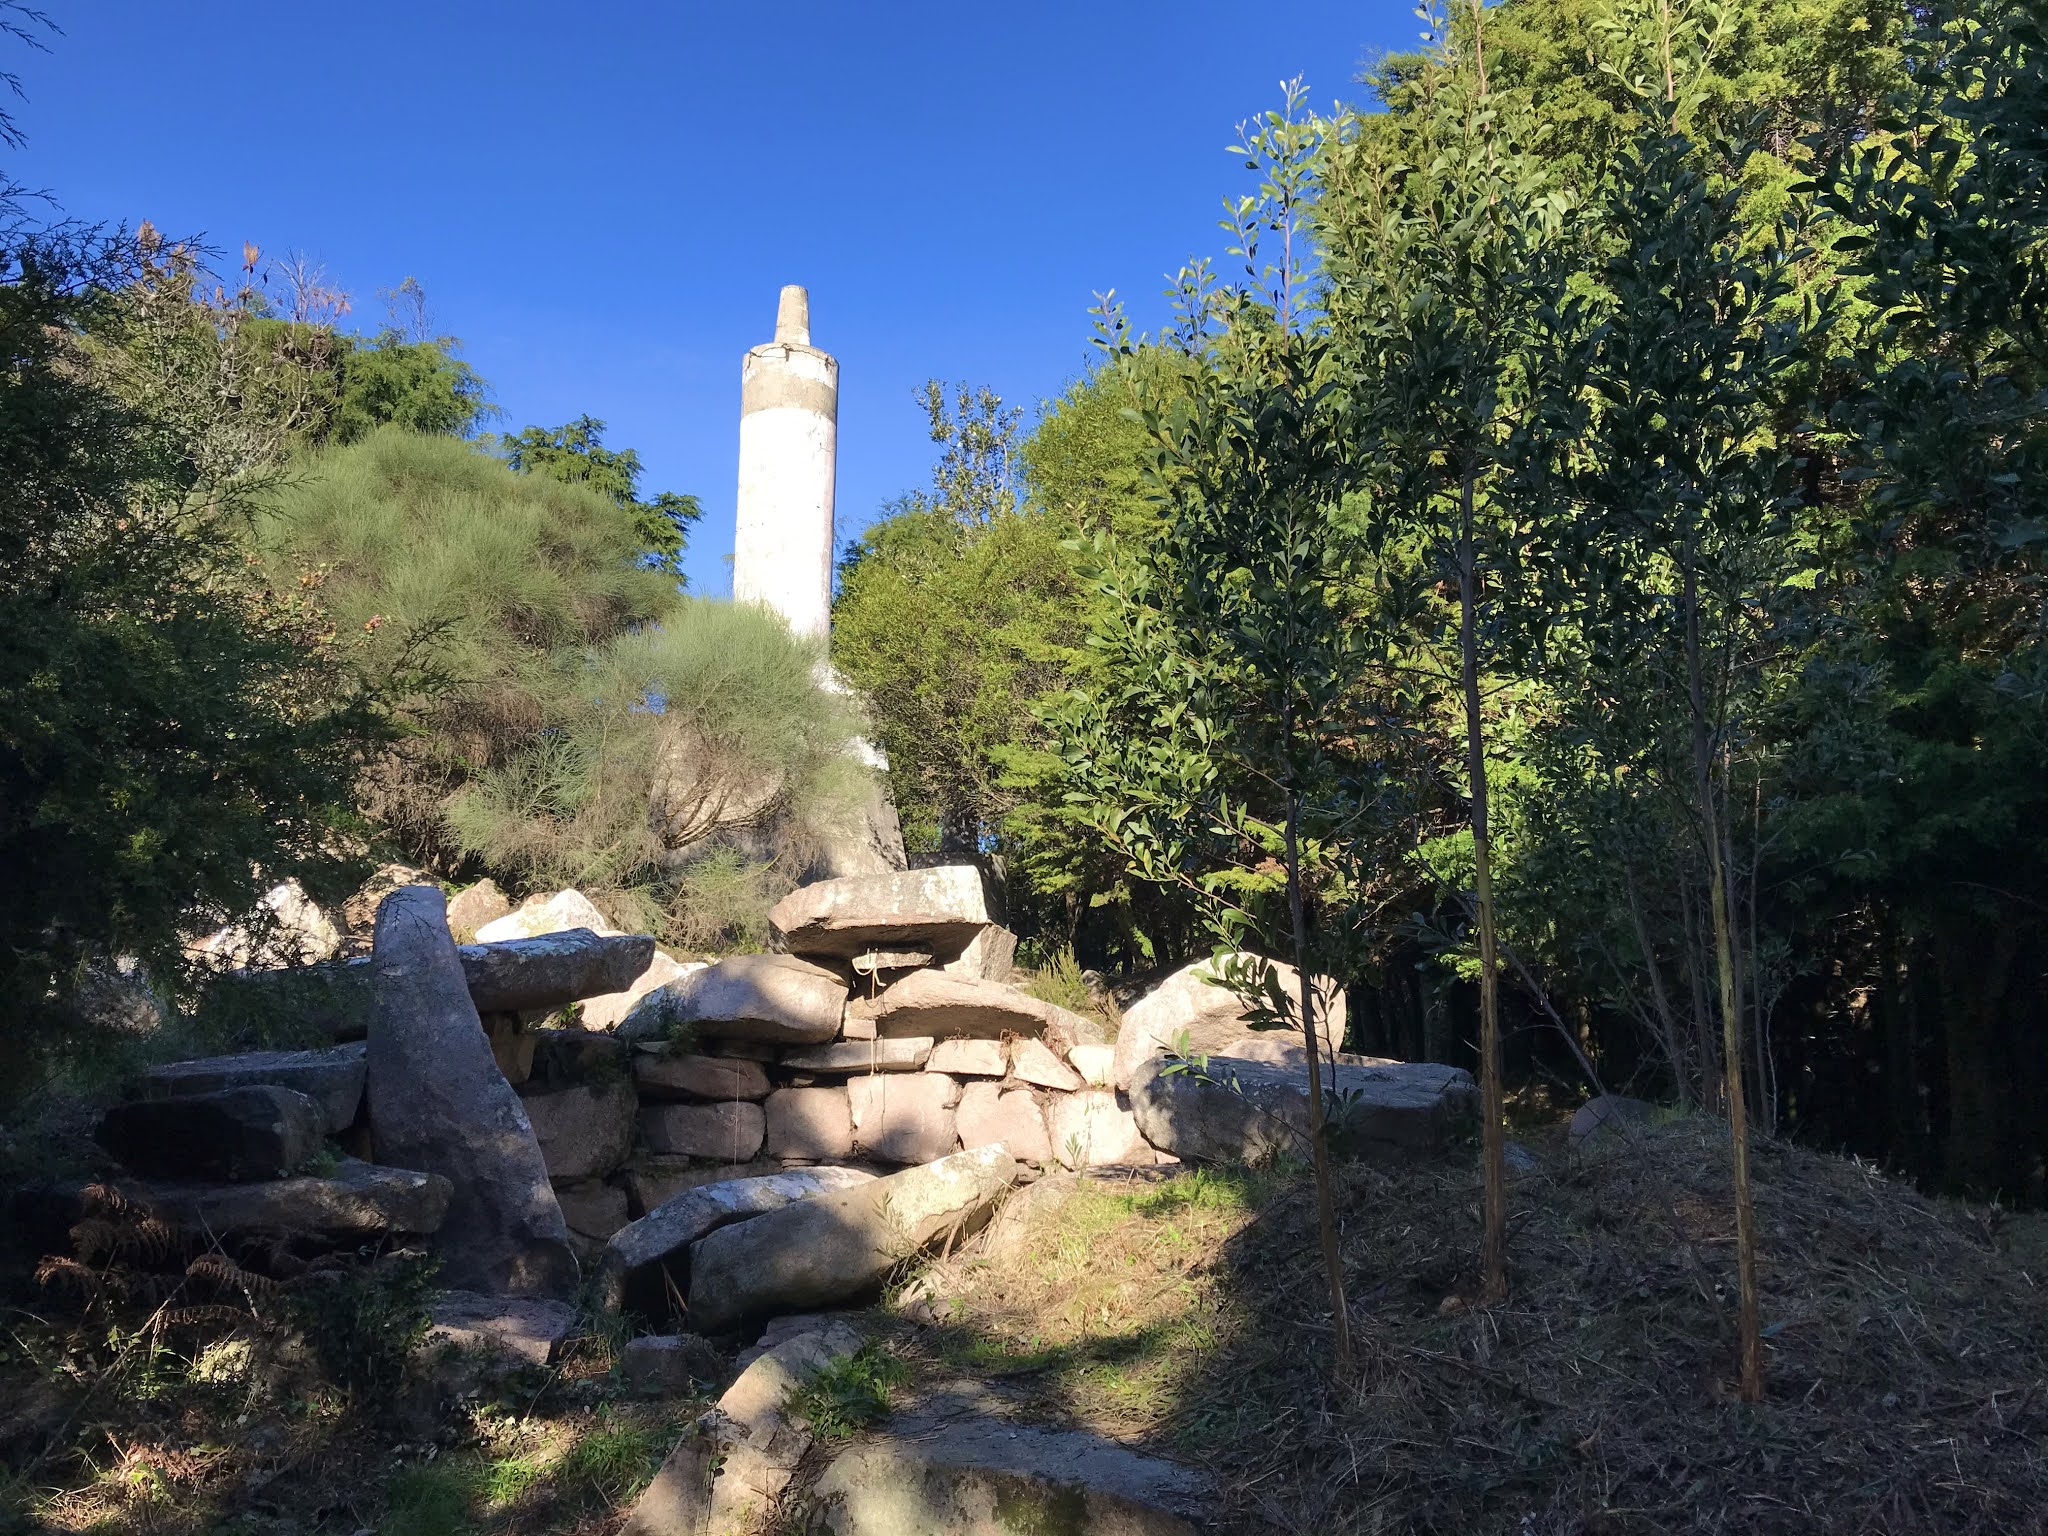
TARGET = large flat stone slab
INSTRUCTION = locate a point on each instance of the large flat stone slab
(833, 1247)
(1197, 1002)
(645, 1256)
(358, 1200)
(943, 1007)
(772, 999)
(439, 1103)
(332, 1079)
(936, 910)
(552, 970)
(1251, 1111)
(951, 1469)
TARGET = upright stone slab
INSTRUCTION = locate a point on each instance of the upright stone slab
(439, 1104)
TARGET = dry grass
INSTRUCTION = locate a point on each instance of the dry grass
(1907, 1349)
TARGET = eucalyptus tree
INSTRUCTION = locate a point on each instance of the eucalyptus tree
(1678, 477)
(1227, 745)
(1444, 250)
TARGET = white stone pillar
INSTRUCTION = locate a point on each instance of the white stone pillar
(789, 446)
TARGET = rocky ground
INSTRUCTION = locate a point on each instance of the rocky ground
(863, 1238)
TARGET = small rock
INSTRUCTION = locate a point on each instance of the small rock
(472, 908)
(546, 914)
(609, 1011)
(584, 1131)
(833, 1247)
(773, 999)
(932, 909)
(730, 1132)
(1607, 1115)
(526, 1330)
(1095, 1063)
(593, 1210)
(942, 1006)
(874, 961)
(989, 956)
(645, 1256)
(669, 1364)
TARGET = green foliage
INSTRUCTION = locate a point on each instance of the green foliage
(850, 1393)
(363, 1323)
(170, 722)
(420, 386)
(476, 589)
(711, 719)
(575, 455)
(967, 606)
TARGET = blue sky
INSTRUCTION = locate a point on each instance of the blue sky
(602, 200)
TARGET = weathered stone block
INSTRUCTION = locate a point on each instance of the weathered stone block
(965, 1057)
(903, 1119)
(256, 1132)
(584, 1131)
(774, 999)
(730, 1132)
(687, 1076)
(809, 1124)
(904, 1054)
(987, 1115)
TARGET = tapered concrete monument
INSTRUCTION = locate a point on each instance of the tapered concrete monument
(789, 447)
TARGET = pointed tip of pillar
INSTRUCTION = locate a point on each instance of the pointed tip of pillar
(793, 315)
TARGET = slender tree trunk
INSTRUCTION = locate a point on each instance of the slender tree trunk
(1749, 1330)
(1667, 1021)
(1492, 1110)
(1318, 1138)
